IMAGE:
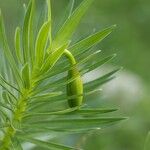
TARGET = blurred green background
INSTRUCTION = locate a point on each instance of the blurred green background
(131, 42)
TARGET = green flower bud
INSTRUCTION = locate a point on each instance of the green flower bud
(75, 88)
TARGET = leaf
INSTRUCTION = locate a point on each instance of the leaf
(7, 99)
(91, 111)
(2, 85)
(25, 34)
(4, 116)
(8, 53)
(18, 45)
(65, 14)
(87, 68)
(47, 95)
(41, 43)
(65, 33)
(16, 144)
(2, 79)
(74, 123)
(59, 112)
(31, 33)
(53, 58)
(50, 19)
(26, 76)
(5, 106)
(90, 41)
(49, 145)
(100, 81)
(71, 112)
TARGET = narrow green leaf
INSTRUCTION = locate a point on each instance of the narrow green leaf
(75, 123)
(59, 112)
(66, 14)
(90, 41)
(26, 76)
(5, 97)
(91, 111)
(54, 132)
(41, 43)
(49, 145)
(69, 9)
(31, 33)
(18, 45)
(5, 106)
(72, 112)
(25, 34)
(50, 19)
(46, 96)
(94, 84)
(4, 87)
(8, 53)
(8, 99)
(53, 58)
(87, 68)
(65, 33)
(4, 116)
(2, 79)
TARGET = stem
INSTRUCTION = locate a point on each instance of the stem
(70, 57)
(15, 122)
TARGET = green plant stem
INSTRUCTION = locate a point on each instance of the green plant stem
(70, 57)
(14, 125)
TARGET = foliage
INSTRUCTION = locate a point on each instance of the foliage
(34, 78)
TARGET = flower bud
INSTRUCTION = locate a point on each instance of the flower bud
(75, 88)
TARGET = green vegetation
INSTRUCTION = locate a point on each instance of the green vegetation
(35, 75)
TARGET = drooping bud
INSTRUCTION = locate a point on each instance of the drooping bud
(75, 88)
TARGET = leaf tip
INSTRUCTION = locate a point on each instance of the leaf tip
(114, 26)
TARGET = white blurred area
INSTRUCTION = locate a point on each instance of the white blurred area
(127, 85)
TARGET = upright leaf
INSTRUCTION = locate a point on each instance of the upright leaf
(25, 34)
(65, 33)
(41, 43)
(26, 76)
(50, 19)
(18, 45)
(7, 52)
(31, 33)
(66, 14)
